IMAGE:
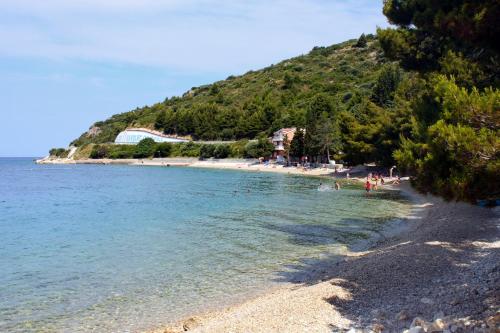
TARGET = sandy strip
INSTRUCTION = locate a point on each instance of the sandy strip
(444, 263)
(195, 163)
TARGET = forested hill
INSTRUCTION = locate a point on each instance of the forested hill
(426, 99)
(258, 102)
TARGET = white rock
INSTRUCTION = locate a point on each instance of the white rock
(437, 326)
(355, 330)
(417, 322)
(416, 329)
(426, 300)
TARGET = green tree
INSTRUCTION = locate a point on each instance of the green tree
(262, 148)
(321, 131)
(386, 85)
(362, 42)
(222, 151)
(452, 149)
(145, 148)
(428, 30)
(99, 151)
(297, 146)
(460, 155)
(207, 151)
(189, 149)
(163, 149)
(59, 152)
(161, 120)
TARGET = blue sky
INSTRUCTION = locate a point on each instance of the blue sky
(66, 64)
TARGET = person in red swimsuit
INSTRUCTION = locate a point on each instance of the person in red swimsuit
(368, 186)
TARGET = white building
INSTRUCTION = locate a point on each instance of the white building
(132, 136)
(278, 141)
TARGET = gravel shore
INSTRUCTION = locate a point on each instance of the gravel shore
(440, 274)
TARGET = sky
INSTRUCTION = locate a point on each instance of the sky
(67, 64)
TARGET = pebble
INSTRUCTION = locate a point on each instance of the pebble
(416, 329)
(402, 315)
(427, 300)
(417, 322)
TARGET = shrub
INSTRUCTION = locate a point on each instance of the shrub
(207, 151)
(189, 149)
(121, 151)
(59, 152)
(99, 151)
(260, 148)
(221, 151)
(238, 148)
(145, 148)
(362, 42)
(163, 149)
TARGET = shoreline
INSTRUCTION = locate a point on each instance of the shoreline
(193, 162)
(342, 292)
(197, 320)
(324, 298)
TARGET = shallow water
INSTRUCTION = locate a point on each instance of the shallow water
(120, 248)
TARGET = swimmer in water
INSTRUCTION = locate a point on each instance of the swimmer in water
(337, 186)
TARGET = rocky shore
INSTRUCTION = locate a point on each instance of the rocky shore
(441, 274)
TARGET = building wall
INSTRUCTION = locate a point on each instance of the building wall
(134, 136)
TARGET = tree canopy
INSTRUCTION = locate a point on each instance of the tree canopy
(453, 146)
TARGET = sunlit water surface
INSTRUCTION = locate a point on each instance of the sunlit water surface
(119, 248)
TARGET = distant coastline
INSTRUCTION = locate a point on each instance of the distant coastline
(234, 164)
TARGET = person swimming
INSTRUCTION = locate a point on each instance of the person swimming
(337, 186)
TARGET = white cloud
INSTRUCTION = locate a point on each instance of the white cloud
(194, 35)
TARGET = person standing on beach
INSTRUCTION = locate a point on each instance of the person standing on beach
(368, 186)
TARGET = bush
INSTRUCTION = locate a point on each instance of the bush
(207, 151)
(261, 148)
(238, 148)
(362, 42)
(145, 148)
(163, 149)
(189, 149)
(121, 151)
(221, 151)
(59, 152)
(458, 158)
(99, 151)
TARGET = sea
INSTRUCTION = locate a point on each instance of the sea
(99, 248)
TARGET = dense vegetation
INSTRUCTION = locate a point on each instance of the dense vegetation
(316, 91)
(423, 95)
(147, 148)
(59, 152)
(452, 145)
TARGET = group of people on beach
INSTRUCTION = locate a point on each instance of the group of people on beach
(375, 177)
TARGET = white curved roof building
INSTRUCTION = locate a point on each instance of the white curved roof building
(132, 136)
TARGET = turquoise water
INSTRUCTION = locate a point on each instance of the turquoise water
(118, 248)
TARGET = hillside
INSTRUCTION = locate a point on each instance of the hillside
(258, 101)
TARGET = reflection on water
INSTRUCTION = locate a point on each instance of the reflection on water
(117, 248)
